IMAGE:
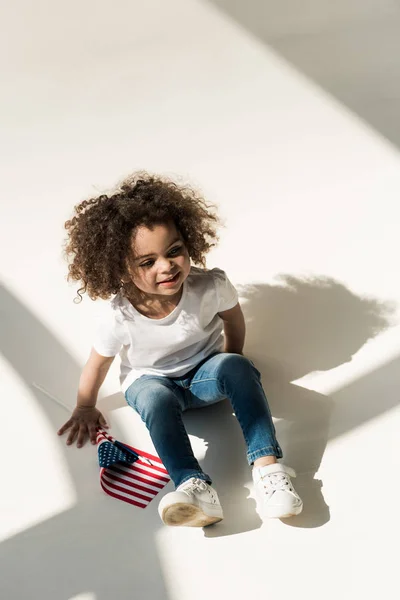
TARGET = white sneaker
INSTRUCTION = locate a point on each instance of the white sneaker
(194, 504)
(275, 493)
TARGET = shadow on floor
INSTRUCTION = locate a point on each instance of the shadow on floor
(349, 48)
(99, 546)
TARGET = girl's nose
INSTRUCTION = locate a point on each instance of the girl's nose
(165, 264)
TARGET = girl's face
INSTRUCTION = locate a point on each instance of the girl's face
(160, 261)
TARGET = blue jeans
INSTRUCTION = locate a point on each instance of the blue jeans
(160, 402)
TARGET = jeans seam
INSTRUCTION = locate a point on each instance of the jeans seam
(203, 380)
(181, 425)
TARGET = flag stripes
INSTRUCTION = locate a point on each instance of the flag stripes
(129, 474)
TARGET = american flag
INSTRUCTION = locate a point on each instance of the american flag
(127, 473)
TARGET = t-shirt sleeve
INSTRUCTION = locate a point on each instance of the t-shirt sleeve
(106, 341)
(226, 292)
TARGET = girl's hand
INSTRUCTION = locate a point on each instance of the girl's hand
(83, 423)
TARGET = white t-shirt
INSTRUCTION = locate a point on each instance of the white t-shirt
(175, 344)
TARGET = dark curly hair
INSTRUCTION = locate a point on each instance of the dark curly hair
(98, 246)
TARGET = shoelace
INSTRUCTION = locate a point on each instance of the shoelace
(277, 481)
(197, 485)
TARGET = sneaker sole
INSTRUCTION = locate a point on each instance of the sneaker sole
(179, 514)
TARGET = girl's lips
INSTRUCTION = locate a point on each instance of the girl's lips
(170, 281)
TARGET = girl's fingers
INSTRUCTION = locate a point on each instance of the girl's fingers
(92, 432)
(81, 429)
(72, 433)
(103, 422)
(64, 428)
(82, 435)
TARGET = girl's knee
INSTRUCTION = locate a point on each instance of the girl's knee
(236, 365)
(235, 361)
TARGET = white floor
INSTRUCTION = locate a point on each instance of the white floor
(305, 168)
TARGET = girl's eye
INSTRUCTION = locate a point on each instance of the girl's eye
(175, 250)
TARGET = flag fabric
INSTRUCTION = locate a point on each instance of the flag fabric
(129, 474)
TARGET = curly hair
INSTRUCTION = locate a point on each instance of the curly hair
(98, 245)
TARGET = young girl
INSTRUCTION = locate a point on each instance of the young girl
(166, 319)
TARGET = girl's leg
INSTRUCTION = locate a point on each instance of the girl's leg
(234, 376)
(159, 403)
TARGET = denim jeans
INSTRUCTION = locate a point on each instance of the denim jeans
(160, 402)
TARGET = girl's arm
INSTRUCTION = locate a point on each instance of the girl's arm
(234, 329)
(86, 417)
(92, 377)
